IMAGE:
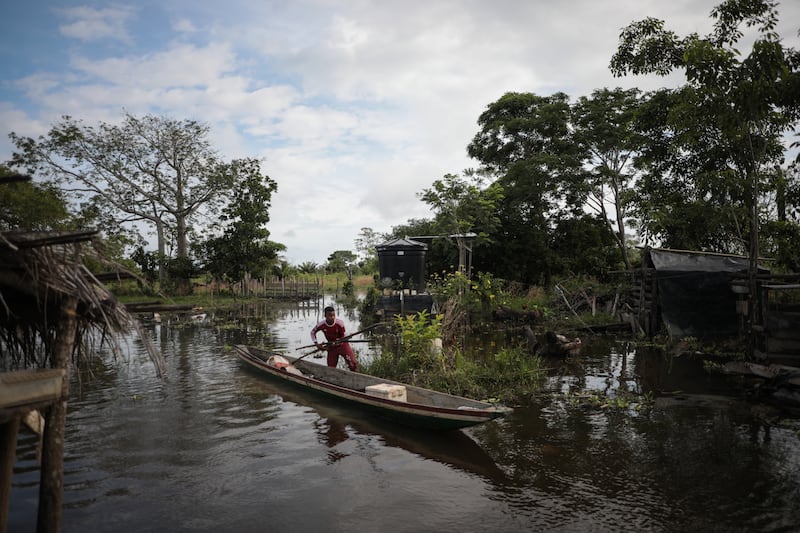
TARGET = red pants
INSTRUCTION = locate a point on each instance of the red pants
(345, 351)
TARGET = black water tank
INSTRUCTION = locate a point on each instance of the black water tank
(403, 260)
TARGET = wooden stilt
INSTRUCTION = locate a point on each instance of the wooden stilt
(8, 451)
(51, 485)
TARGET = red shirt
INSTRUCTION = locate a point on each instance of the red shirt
(331, 332)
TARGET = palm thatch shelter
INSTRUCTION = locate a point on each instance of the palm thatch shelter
(52, 310)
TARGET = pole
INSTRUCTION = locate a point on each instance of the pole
(51, 484)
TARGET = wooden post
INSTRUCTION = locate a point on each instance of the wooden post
(51, 483)
(8, 445)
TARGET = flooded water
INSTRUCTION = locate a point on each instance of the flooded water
(216, 447)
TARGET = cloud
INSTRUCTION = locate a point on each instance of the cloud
(90, 24)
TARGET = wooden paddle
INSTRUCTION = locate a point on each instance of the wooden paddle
(337, 341)
(326, 345)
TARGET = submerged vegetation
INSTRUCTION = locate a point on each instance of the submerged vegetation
(420, 358)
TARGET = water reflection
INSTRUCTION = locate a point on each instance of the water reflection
(337, 423)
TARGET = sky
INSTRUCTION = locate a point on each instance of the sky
(354, 107)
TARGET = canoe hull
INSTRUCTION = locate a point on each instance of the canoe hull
(424, 408)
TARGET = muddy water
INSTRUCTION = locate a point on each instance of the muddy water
(215, 447)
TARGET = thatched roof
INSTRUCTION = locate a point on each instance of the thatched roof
(43, 275)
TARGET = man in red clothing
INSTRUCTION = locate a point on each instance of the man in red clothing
(333, 329)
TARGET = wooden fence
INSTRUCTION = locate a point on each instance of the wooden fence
(271, 287)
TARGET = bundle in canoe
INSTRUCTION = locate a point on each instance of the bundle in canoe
(401, 403)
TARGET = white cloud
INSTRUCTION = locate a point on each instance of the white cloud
(90, 24)
(184, 66)
(184, 26)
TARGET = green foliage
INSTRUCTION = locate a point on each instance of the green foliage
(366, 244)
(308, 267)
(712, 145)
(620, 400)
(369, 303)
(147, 261)
(342, 261)
(348, 289)
(479, 296)
(162, 172)
(244, 244)
(180, 271)
(526, 141)
(464, 205)
(32, 206)
(604, 125)
(511, 375)
(584, 246)
(417, 333)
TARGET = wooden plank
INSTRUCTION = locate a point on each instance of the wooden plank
(792, 373)
(30, 386)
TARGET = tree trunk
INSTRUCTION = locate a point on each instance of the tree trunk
(181, 248)
(162, 255)
(753, 309)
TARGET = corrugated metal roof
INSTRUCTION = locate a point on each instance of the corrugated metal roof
(697, 262)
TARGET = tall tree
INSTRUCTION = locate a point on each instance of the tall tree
(366, 244)
(342, 261)
(465, 210)
(733, 111)
(525, 141)
(604, 125)
(155, 170)
(243, 246)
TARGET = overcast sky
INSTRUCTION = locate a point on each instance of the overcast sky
(354, 106)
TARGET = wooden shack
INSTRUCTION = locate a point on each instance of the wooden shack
(691, 294)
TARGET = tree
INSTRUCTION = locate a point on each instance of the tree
(366, 244)
(243, 245)
(155, 170)
(782, 230)
(342, 261)
(463, 207)
(732, 113)
(604, 125)
(31, 206)
(308, 267)
(589, 234)
(525, 141)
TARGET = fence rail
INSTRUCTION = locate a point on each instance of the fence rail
(287, 288)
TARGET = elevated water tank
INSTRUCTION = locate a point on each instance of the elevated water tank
(403, 261)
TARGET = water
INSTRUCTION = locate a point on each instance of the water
(215, 447)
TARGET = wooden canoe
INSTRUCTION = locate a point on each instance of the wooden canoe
(422, 408)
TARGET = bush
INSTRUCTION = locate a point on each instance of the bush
(509, 375)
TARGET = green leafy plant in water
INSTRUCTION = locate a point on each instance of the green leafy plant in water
(478, 295)
(418, 333)
(348, 288)
(508, 375)
(621, 401)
